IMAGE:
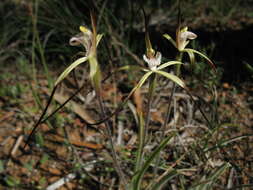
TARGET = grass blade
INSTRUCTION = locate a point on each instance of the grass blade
(212, 178)
(136, 183)
(163, 180)
(227, 142)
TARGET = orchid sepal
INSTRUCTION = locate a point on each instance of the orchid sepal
(172, 77)
(168, 64)
(189, 51)
(182, 36)
(168, 37)
(153, 61)
(65, 73)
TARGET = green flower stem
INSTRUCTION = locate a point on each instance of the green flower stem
(140, 144)
(178, 67)
(95, 75)
(168, 112)
(110, 136)
(151, 91)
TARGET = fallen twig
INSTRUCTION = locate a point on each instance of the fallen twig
(61, 181)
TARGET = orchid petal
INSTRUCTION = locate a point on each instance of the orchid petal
(99, 37)
(76, 40)
(202, 55)
(65, 73)
(191, 56)
(182, 38)
(168, 37)
(188, 35)
(172, 77)
(154, 61)
(168, 64)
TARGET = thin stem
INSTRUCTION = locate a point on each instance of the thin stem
(168, 112)
(41, 116)
(151, 91)
(140, 144)
(110, 136)
(201, 111)
(34, 25)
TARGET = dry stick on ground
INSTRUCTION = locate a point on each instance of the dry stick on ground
(120, 133)
(61, 181)
(16, 146)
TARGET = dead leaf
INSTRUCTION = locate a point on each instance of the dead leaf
(137, 98)
(57, 138)
(55, 171)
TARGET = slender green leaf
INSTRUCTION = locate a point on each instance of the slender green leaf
(226, 142)
(219, 171)
(172, 77)
(70, 68)
(168, 64)
(158, 185)
(211, 179)
(136, 183)
(168, 37)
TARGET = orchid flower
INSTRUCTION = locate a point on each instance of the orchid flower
(86, 39)
(182, 39)
(152, 58)
(154, 61)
